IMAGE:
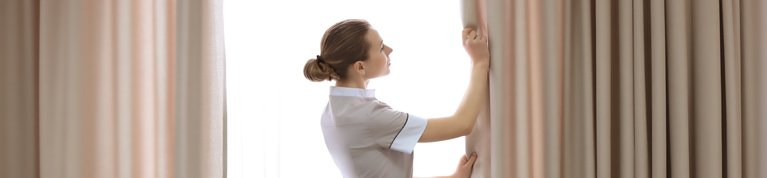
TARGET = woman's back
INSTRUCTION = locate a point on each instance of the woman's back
(366, 138)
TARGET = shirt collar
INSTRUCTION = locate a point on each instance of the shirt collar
(357, 92)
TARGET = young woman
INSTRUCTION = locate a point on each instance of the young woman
(366, 137)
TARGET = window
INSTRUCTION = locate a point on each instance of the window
(274, 112)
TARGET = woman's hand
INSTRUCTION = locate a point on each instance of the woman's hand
(475, 43)
(465, 166)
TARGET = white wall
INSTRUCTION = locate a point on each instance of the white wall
(274, 112)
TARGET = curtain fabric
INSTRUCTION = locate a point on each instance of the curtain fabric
(18, 88)
(623, 88)
(112, 89)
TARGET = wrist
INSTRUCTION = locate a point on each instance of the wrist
(481, 65)
(481, 62)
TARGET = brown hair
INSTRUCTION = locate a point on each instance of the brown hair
(342, 45)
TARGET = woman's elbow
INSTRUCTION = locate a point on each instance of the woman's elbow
(463, 124)
(467, 129)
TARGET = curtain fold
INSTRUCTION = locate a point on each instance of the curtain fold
(754, 41)
(18, 89)
(658, 85)
(623, 88)
(116, 88)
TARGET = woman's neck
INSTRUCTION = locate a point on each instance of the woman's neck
(362, 84)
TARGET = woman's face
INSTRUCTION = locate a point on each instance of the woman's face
(378, 62)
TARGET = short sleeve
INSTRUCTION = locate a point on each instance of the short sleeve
(396, 130)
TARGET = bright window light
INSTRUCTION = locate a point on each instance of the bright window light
(274, 112)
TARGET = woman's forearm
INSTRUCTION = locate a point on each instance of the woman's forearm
(475, 98)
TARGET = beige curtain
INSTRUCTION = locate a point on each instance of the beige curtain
(18, 89)
(112, 89)
(630, 88)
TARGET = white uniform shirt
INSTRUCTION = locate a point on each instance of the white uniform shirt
(366, 137)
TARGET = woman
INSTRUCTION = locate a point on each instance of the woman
(366, 137)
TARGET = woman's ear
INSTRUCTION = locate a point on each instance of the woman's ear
(359, 66)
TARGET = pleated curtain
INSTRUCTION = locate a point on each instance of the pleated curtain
(118, 89)
(623, 88)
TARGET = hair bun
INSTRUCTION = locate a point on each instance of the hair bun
(317, 70)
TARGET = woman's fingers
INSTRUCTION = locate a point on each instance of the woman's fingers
(470, 33)
(474, 35)
(465, 33)
(470, 162)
